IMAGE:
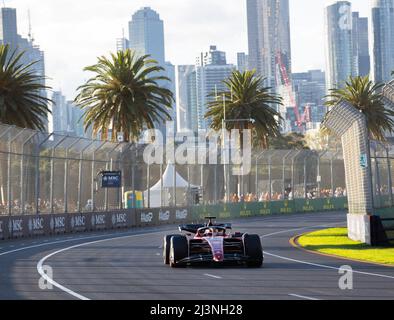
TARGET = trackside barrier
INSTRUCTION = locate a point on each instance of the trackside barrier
(52, 224)
(255, 209)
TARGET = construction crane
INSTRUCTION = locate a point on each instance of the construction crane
(283, 73)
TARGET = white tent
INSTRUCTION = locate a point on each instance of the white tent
(162, 192)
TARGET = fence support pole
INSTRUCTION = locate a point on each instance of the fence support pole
(390, 180)
(22, 208)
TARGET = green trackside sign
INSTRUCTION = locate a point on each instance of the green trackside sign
(256, 209)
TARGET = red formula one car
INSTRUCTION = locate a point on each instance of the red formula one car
(211, 242)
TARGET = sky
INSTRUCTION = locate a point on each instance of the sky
(73, 33)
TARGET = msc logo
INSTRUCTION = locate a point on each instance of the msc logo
(58, 223)
(15, 225)
(164, 216)
(119, 218)
(98, 220)
(146, 217)
(36, 224)
(181, 214)
(77, 221)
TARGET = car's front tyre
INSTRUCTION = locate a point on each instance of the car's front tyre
(178, 250)
(254, 250)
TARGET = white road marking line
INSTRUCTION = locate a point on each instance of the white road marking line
(327, 267)
(42, 273)
(212, 276)
(302, 297)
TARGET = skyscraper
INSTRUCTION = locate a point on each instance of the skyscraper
(383, 39)
(8, 27)
(146, 37)
(361, 44)
(187, 98)
(32, 53)
(269, 39)
(146, 34)
(242, 61)
(211, 70)
(339, 44)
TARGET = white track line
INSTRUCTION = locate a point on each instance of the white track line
(302, 297)
(44, 276)
(212, 276)
(76, 295)
(327, 267)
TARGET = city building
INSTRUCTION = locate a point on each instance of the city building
(211, 70)
(67, 117)
(8, 27)
(269, 39)
(339, 44)
(187, 98)
(310, 91)
(122, 44)
(242, 61)
(361, 55)
(32, 53)
(146, 34)
(146, 37)
(383, 39)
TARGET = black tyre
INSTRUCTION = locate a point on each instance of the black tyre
(166, 248)
(179, 250)
(254, 250)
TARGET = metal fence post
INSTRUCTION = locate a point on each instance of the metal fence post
(305, 181)
(94, 177)
(390, 180)
(66, 165)
(22, 208)
(52, 179)
(80, 175)
(37, 176)
(284, 173)
(148, 182)
(9, 164)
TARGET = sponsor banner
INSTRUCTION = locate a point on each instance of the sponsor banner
(283, 207)
(100, 221)
(38, 225)
(59, 223)
(79, 222)
(146, 217)
(181, 214)
(120, 219)
(164, 216)
(17, 227)
(4, 228)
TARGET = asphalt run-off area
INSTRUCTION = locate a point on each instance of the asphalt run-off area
(128, 265)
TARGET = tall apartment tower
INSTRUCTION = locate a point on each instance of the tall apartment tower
(361, 44)
(146, 34)
(211, 70)
(383, 39)
(187, 98)
(339, 44)
(269, 38)
(8, 27)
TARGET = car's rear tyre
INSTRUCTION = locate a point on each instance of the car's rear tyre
(166, 248)
(254, 250)
(178, 250)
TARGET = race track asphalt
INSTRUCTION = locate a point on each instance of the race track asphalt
(128, 265)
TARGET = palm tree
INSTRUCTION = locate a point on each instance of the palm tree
(22, 102)
(246, 97)
(365, 96)
(124, 94)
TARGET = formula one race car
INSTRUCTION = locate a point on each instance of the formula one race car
(211, 242)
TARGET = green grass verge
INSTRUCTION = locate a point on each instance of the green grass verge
(335, 242)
